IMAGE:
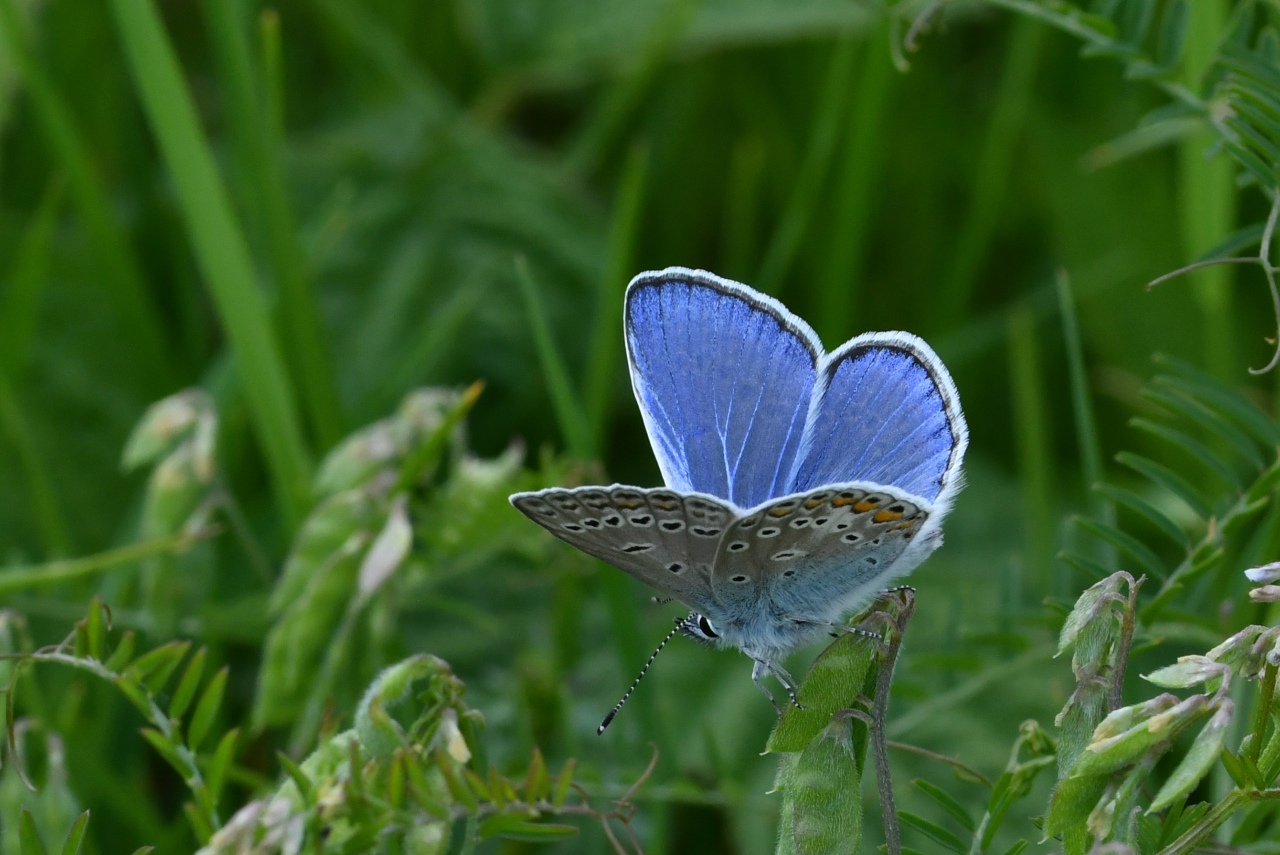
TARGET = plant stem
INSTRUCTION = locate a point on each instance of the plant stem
(879, 714)
(1191, 838)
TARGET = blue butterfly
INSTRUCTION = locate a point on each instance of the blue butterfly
(798, 482)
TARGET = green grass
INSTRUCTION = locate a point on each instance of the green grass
(311, 210)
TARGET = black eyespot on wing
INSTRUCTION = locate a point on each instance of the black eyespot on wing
(800, 522)
(572, 527)
(590, 523)
(642, 520)
(769, 532)
(738, 578)
(614, 521)
(788, 573)
(675, 568)
(737, 546)
(704, 532)
(637, 547)
(851, 537)
(672, 525)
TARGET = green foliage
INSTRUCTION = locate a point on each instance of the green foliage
(230, 232)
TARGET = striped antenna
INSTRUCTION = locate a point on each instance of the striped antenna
(639, 677)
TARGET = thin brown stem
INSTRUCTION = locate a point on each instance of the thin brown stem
(879, 745)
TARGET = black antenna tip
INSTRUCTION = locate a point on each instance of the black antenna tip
(607, 720)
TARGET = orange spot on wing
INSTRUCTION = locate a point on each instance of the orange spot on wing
(865, 505)
(887, 516)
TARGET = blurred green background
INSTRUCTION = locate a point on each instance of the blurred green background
(382, 172)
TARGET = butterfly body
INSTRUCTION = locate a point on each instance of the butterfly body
(797, 482)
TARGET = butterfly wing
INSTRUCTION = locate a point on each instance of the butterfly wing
(886, 412)
(665, 539)
(724, 377)
(817, 555)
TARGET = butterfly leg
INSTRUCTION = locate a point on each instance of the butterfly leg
(835, 630)
(757, 671)
(780, 674)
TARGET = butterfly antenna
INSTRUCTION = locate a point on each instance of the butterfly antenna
(613, 712)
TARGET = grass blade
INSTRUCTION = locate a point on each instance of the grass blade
(568, 408)
(220, 250)
(259, 152)
(991, 176)
(813, 171)
(20, 304)
(859, 169)
(121, 275)
(606, 337)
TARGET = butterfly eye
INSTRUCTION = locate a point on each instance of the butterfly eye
(706, 628)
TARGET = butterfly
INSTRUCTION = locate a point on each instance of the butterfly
(797, 482)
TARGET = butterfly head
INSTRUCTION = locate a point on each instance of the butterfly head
(697, 627)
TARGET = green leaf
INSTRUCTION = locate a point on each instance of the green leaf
(1166, 478)
(822, 793)
(1110, 754)
(121, 656)
(1173, 33)
(1073, 800)
(299, 777)
(219, 763)
(134, 691)
(479, 786)
(96, 627)
(154, 668)
(1214, 395)
(186, 691)
(1268, 46)
(328, 528)
(496, 824)
(168, 750)
(206, 709)
(834, 682)
(945, 801)
(563, 781)
(75, 837)
(1087, 566)
(1200, 758)
(1210, 421)
(536, 832)
(423, 458)
(29, 842)
(1133, 21)
(1192, 446)
(1131, 546)
(457, 788)
(1146, 510)
(537, 784)
(939, 835)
